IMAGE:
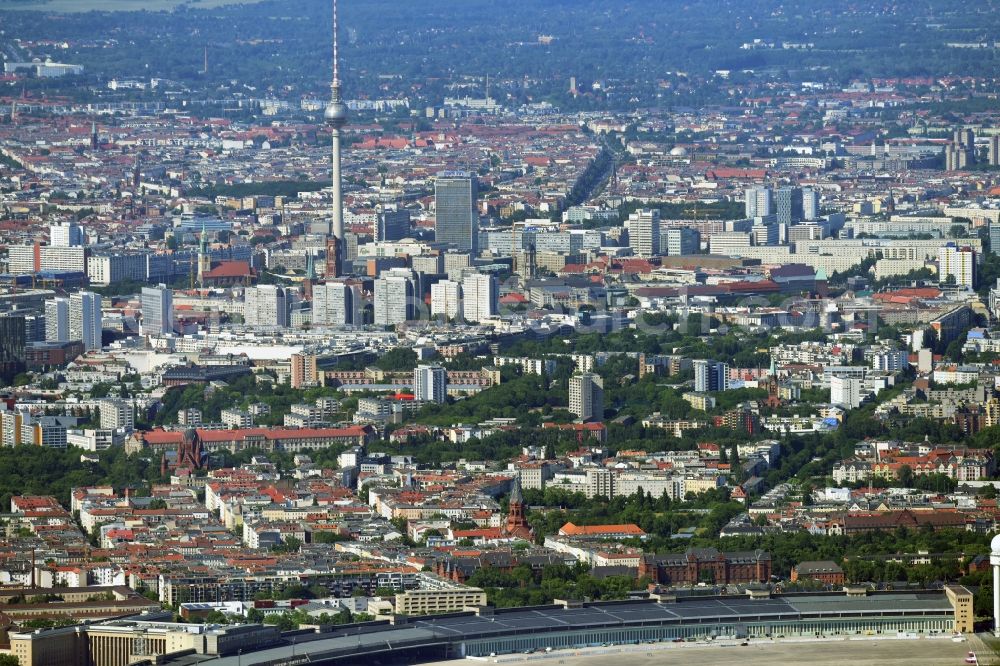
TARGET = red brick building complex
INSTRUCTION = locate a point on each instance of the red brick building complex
(294, 440)
(823, 571)
(706, 565)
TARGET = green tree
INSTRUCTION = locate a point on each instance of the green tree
(905, 476)
(398, 359)
(807, 490)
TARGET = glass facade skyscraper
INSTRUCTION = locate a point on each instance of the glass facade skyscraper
(456, 220)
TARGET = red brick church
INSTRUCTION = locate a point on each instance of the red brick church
(517, 523)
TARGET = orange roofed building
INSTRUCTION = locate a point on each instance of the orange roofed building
(624, 531)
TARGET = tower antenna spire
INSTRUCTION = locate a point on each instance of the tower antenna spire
(335, 117)
(335, 86)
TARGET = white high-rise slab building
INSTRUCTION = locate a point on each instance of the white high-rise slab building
(679, 241)
(430, 383)
(758, 202)
(157, 310)
(810, 204)
(710, 376)
(394, 297)
(336, 304)
(446, 299)
(480, 297)
(265, 305)
(957, 265)
(57, 320)
(586, 396)
(65, 234)
(85, 319)
(846, 391)
(644, 232)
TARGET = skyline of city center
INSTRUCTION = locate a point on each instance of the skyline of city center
(409, 333)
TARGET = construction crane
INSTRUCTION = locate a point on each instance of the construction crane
(693, 212)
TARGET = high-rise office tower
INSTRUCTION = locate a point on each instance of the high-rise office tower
(586, 396)
(430, 383)
(456, 221)
(336, 304)
(157, 310)
(995, 238)
(392, 225)
(644, 232)
(994, 151)
(446, 299)
(710, 376)
(394, 297)
(765, 234)
(265, 305)
(350, 249)
(57, 320)
(13, 336)
(758, 202)
(85, 319)
(678, 241)
(788, 205)
(810, 204)
(34, 327)
(65, 234)
(335, 116)
(480, 297)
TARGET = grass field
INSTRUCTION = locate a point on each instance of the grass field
(113, 5)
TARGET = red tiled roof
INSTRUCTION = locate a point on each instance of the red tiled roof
(230, 269)
(170, 437)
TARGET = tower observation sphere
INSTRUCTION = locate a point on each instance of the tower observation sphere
(335, 114)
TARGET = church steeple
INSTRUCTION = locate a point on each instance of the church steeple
(516, 496)
(204, 259)
(517, 523)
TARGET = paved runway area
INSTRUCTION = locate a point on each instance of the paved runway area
(919, 652)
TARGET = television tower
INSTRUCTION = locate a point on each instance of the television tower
(336, 117)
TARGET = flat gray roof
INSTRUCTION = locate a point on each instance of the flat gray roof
(436, 630)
